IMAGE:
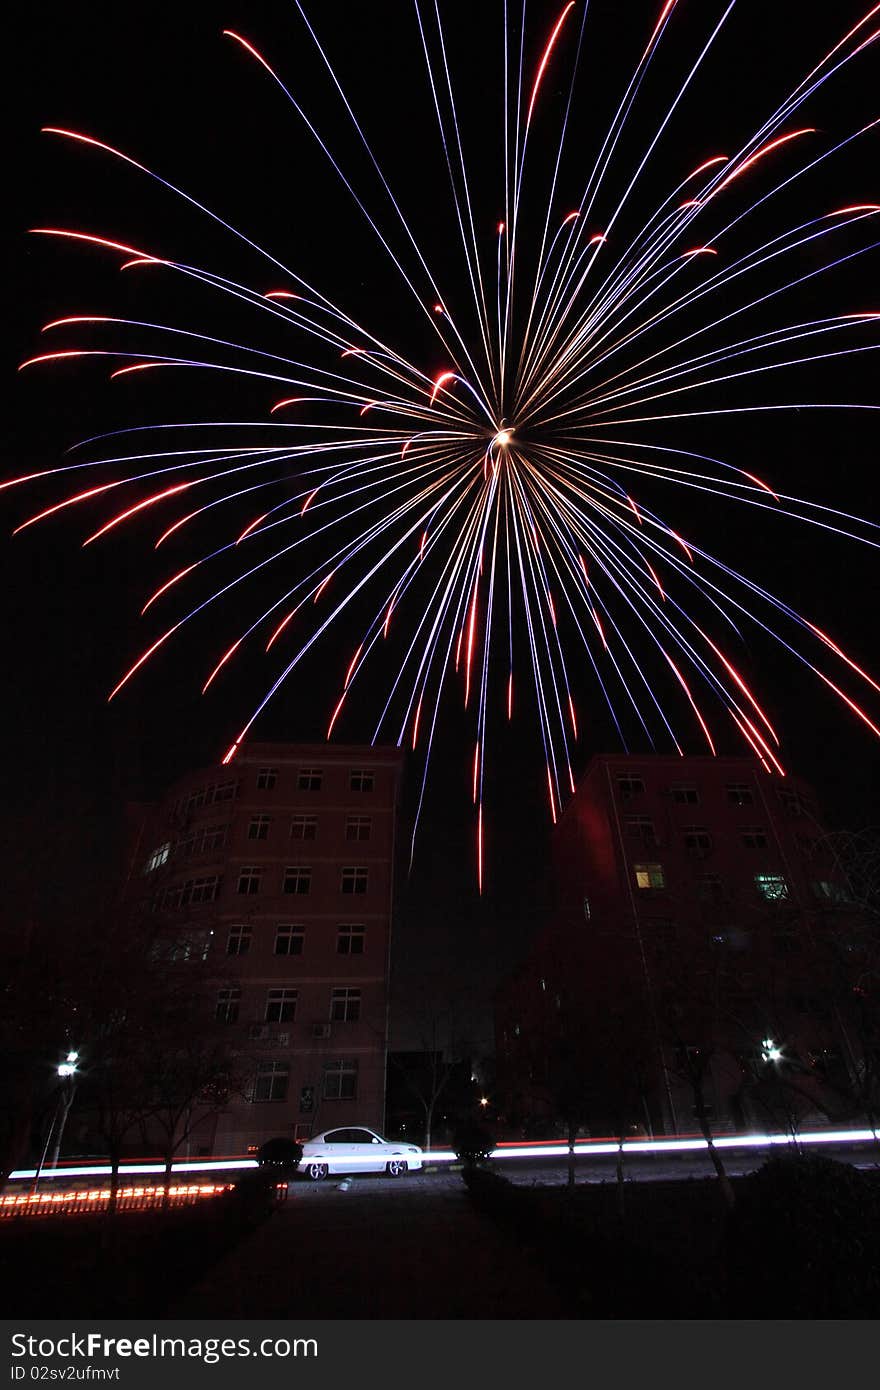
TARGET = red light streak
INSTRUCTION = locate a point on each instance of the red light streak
(59, 506)
(685, 687)
(252, 526)
(546, 58)
(140, 661)
(438, 384)
(336, 714)
(760, 154)
(137, 367)
(167, 585)
(220, 664)
(138, 507)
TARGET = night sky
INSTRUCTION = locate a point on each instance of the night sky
(165, 86)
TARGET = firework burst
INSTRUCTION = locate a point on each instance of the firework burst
(492, 511)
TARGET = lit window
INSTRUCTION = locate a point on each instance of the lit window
(773, 887)
(249, 879)
(158, 857)
(271, 1080)
(309, 779)
(354, 880)
(358, 828)
(350, 941)
(340, 1080)
(345, 1005)
(281, 1005)
(238, 942)
(228, 1001)
(361, 781)
(740, 794)
(649, 876)
(304, 828)
(289, 941)
(266, 778)
(259, 827)
(754, 837)
(684, 793)
(297, 880)
(628, 787)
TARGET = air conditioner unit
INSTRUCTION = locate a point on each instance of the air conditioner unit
(320, 1030)
(258, 1031)
(282, 1039)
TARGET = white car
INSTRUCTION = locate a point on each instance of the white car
(357, 1150)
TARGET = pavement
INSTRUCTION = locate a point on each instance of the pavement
(367, 1247)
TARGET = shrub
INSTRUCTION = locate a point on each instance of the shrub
(282, 1154)
(802, 1240)
(473, 1143)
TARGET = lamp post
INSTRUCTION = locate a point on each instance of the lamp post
(67, 1072)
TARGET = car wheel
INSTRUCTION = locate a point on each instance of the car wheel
(396, 1168)
(317, 1171)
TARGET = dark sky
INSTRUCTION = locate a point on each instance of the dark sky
(165, 86)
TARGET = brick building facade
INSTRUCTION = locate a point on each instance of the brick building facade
(280, 870)
(691, 894)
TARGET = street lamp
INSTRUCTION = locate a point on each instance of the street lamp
(67, 1071)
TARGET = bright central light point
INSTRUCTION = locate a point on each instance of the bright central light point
(502, 437)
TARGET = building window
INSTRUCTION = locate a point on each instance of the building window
(228, 1001)
(754, 837)
(266, 778)
(281, 1005)
(289, 941)
(772, 887)
(697, 839)
(158, 857)
(361, 781)
(628, 787)
(304, 828)
(792, 802)
(195, 890)
(202, 840)
(661, 932)
(238, 942)
(309, 779)
(354, 880)
(259, 827)
(206, 796)
(350, 941)
(649, 876)
(345, 1005)
(640, 828)
(807, 846)
(271, 1081)
(785, 943)
(358, 827)
(710, 888)
(249, 879)
(340, 1080)
(740, 794)
(684, 793)
(297, 880)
